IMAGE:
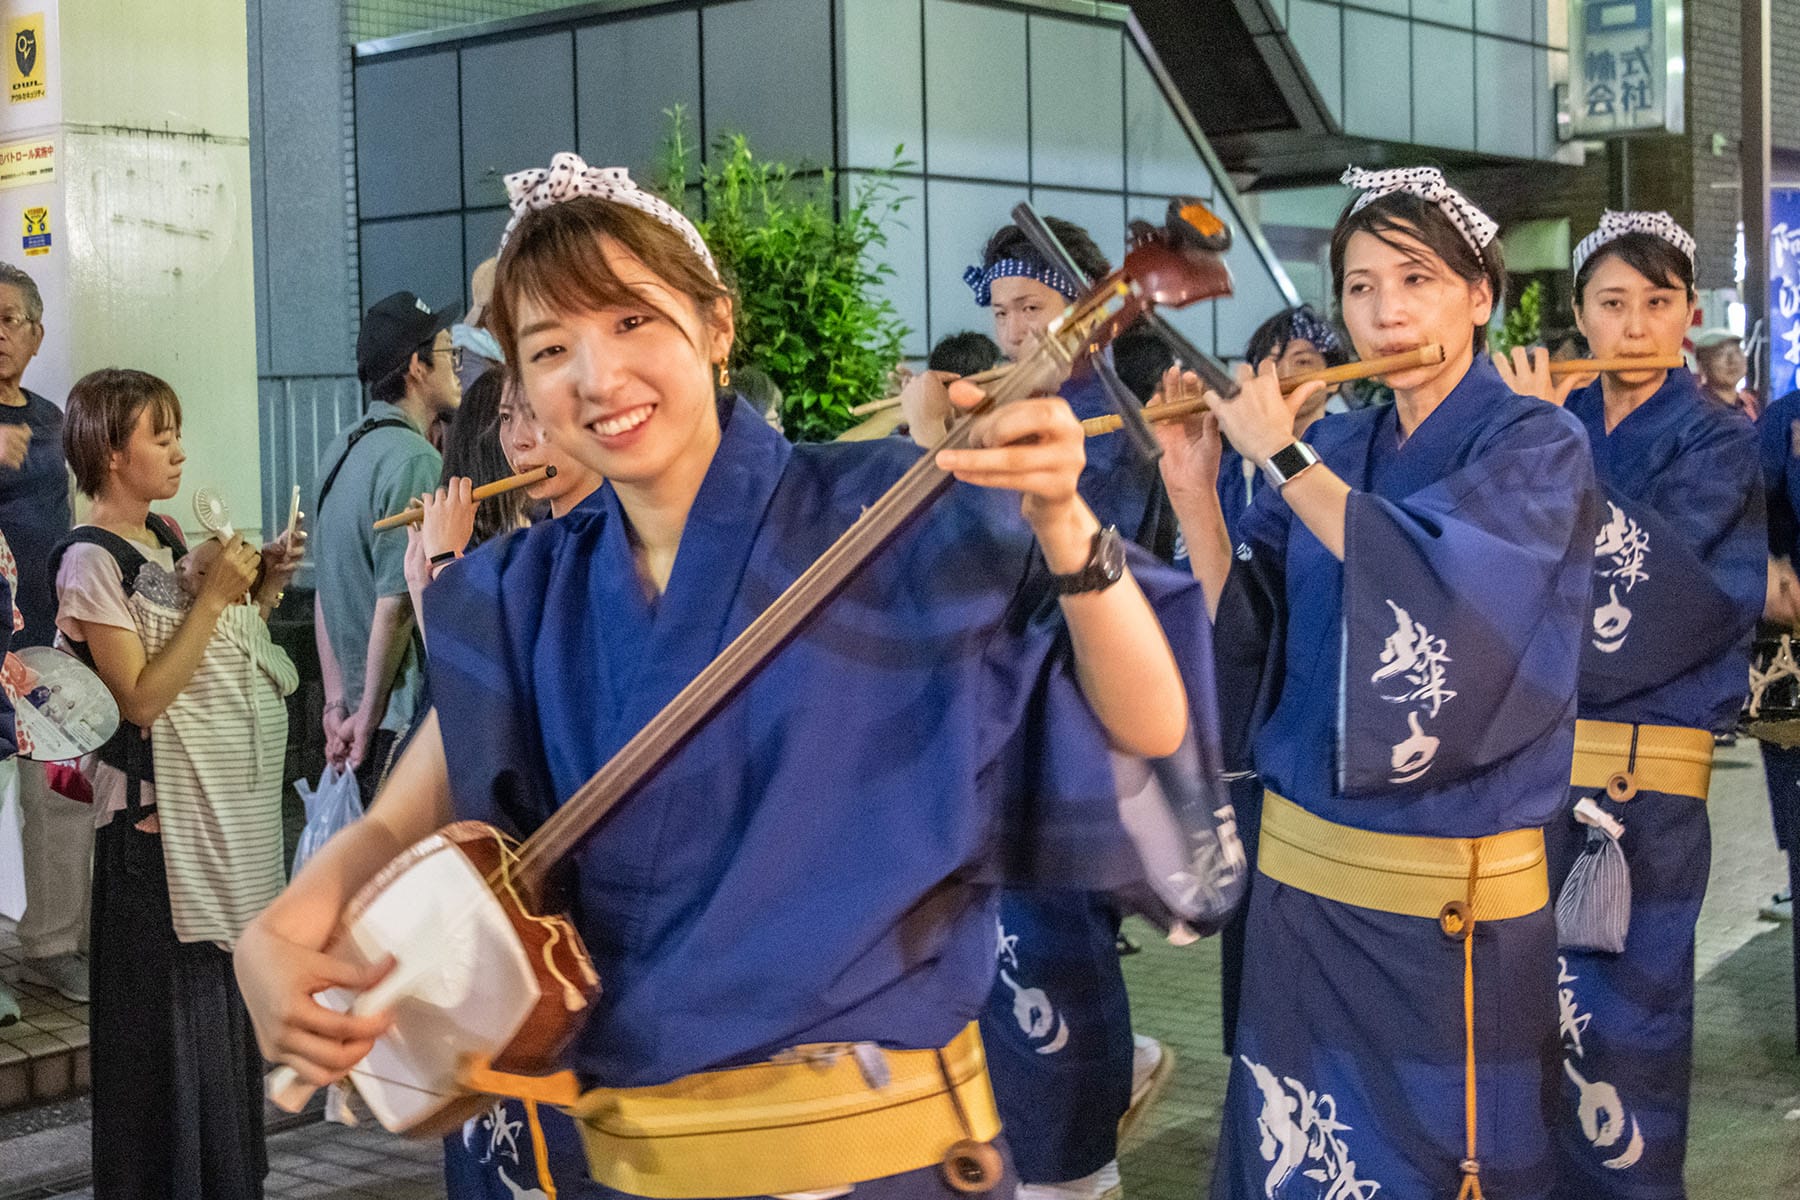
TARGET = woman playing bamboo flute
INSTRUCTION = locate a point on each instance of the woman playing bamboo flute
(1402, 618)
(1679, 578)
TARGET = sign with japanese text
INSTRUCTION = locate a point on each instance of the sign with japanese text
(30, 161)
(36, 239)
(1784, 292)
(1625, 67)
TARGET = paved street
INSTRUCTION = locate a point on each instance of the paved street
(1746, 1130)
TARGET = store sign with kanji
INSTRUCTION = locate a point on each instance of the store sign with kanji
(1784, 292)
(1625, 67)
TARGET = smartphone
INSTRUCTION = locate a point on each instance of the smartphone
(293, 514)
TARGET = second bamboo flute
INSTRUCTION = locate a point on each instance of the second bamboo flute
(412, 514)
(1424, 356)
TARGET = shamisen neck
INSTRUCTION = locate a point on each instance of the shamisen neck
(657, 508)
(1413, 405)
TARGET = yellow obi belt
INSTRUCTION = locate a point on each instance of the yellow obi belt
(1626, 759)
(816, 1117)
(1485, 879)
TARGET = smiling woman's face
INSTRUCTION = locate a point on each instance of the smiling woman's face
(625, 389)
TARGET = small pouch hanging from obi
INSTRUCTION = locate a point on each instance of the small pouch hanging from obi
(1593, 912)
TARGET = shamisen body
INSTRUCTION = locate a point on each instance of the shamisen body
(1404, 607)
(817, 868)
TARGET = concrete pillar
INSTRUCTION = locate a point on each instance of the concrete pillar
(139, 236)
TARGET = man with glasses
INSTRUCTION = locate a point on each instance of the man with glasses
(34, 513)
(369, 650)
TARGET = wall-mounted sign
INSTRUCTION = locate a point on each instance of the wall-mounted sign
(1784, 291)
(30, 161)
(26, 65)
(36, 239)
(1626, 70)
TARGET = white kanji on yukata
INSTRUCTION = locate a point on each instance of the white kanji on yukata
(1599, 1107)
(1620, 549)
(1037, 1017)
(1298, 1132)
(501, 1134)
(1416, 658)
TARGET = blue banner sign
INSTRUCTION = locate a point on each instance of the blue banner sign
(1784, 291)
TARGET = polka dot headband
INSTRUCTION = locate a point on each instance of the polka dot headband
(568, 177)
(1305, 325)
(981, 282)
(1429, 184)
(1615, 225)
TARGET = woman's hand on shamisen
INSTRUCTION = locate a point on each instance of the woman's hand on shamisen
(1037, 448)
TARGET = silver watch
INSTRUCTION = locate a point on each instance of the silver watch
(1288, 462)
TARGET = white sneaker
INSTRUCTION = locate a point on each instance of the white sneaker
(1103, 1184)
(64, 973)
(1152, 1066)
(1779, 908)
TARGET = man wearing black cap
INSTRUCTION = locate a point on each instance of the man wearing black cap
(369, 652)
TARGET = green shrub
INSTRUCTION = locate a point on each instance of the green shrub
(1524, 325)
(809, 312)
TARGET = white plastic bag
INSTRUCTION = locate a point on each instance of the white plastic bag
(12, 842)
(333, 805)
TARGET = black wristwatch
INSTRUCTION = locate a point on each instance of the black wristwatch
(1105, 564)
(1288, 462)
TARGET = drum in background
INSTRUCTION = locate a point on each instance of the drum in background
(62, 709)
(1772, 708)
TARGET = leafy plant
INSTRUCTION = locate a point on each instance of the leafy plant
(1524, 325)
(809, 311)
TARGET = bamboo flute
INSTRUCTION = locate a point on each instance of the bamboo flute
(412, 514)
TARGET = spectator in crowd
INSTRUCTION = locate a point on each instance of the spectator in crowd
(34, 512)
(177, 1103)
(480, 352)
(1719, 354)
(455, 522)
(369, 651)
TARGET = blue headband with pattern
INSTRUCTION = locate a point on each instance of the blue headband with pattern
(1306, 325)
(981, 281)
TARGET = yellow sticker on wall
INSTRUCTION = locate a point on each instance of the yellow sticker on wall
(37, 231)
(25, 73)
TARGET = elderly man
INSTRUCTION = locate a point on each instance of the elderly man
(1719, 353)
(34, 513)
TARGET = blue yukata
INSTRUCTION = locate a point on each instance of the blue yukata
(1058, 1026)
(1423, 686)
(822, 861)
(1679, 577)
(1778, 431)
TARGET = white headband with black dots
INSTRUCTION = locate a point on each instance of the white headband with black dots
(1615, 225)
(1429, 184)
(568, 177)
